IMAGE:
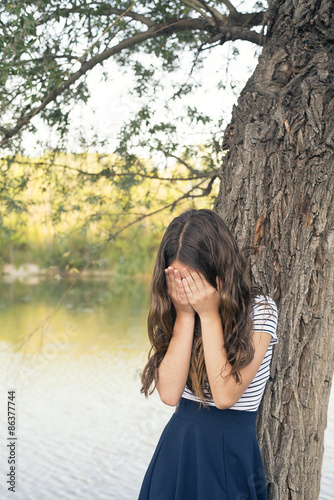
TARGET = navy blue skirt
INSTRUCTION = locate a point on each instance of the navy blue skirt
(206, 454)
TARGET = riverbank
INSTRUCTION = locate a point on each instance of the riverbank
(31, 273)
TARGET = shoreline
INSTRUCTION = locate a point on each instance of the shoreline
(35, 274)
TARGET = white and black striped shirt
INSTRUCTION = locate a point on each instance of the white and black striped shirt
(264, 320)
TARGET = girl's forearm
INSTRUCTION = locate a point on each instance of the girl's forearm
(174, 368)
(223, 391)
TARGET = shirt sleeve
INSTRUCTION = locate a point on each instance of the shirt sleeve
(264, 315)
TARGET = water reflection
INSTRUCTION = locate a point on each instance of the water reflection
(84, 431)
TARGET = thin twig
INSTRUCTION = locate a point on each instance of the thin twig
(108, 10)
(107, 174)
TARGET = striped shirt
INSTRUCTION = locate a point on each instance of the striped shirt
(264, 320)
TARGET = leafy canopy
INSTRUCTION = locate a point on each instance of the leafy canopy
(48, 49)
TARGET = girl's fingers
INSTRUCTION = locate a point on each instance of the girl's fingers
(194, 280)
(179, 285)
(188, 280)
(176, 274)
(171, 274)
(175, 289)
(174, 283)
(187, 288)
(167, 278)
(199, 280)
(177, 278)
(171, 278)
(181, 290)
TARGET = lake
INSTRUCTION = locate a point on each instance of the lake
(83, 429)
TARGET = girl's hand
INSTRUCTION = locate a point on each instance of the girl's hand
(177, 292)
(203, 297)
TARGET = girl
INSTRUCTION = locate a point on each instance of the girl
(212, 335)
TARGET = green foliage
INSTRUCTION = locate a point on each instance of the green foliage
(48, 48)
(67, 210)
(44, 44)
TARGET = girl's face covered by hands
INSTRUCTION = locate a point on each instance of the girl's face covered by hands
(190, 291)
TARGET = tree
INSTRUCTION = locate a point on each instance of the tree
(276, 180)
(277, 188)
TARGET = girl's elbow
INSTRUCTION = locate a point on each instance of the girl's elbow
(168, 398)
(223, 403)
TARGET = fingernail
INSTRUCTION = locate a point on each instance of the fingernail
(185, 270)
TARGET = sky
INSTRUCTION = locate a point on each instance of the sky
(110, 103)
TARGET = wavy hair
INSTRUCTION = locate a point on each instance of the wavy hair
(201, 240)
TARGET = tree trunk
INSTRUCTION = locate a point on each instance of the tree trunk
(277, 190)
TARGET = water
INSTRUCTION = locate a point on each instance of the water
(84, 430)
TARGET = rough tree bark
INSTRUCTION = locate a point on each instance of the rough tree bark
(277, 190)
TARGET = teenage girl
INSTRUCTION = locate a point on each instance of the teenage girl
(212, 335)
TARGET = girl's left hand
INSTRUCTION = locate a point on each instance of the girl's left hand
(203, 297)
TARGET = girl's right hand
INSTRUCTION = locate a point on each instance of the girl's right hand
(177, 292)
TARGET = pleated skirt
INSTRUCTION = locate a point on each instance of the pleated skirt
(206, 454)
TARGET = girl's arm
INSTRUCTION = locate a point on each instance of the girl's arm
(205, 300)
(174, 368)
(226, 393)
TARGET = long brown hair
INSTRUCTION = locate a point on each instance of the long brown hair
(200, 240)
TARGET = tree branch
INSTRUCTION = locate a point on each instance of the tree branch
(248, 19)
(235, 18)
(217, 16)
(104, 10)
(107, 173)
(192, 170)
(22, 62)
(231, 33)
(231, 8)
(196, 5)
(171, 26)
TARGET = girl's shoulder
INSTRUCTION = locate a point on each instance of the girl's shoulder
(264, 302)
(264, 315)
